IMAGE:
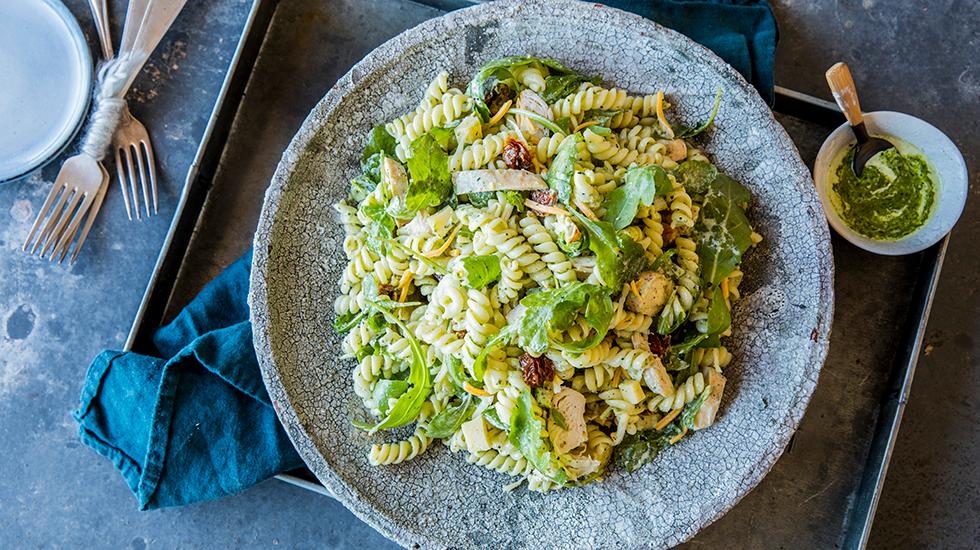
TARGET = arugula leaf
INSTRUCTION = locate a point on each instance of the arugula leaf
(346, 322)
(690, 412)
(525, 434)
(642, 447)
(360, 187)
(406, 408)
(491, 416)
(448, 421)
(379, 141)
(558, 87)
(602, 116)
(480, 363)
(436, 266)
(696, 175)
(719, 317)
(663, 259)
(547, 123)
(618, 257)
(688, 344)
(431, 183)
(642, 185)
(513, 197)
(365, 351)
(481, 270)
(722, 234)
(505, 66)
(481, 199)
(455, 367)
(553, 311)
(565, 124)
(384, 390)
(558, 418)
(381, 229)
(563, 167)
(681, 131)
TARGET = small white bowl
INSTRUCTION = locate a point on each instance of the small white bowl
(939, 151)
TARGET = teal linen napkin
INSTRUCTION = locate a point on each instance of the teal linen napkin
(193, 422)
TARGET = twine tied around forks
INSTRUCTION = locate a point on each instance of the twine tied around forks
(113, 81)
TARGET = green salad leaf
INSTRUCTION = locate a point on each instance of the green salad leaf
(681, 131)
(642, 447)
(379, 141)
(563, 167)
(456, 373)
(696, 175)
(558, 87)
(448, 421)
(346, 322)
(480, 363)
(690, 412)
(550, 312)
(380, 231)
(385, 390)
(723, 232)
(525, 434)
(481, 270)
(491, 416)
(602, 116)
(618, 257)
(430, 183)
(642, 185)
(406, 409)
(719, 317)
(732, 189)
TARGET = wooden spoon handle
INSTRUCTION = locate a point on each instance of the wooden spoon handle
(842, 86)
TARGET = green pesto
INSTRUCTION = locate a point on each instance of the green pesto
(893, 197)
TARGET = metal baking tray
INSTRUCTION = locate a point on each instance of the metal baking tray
(824, 490)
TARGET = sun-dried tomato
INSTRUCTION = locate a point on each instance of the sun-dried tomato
(659, 344)
(536, 371)
(495, 94)
(516, 155)
(547, 197)
(669, 233)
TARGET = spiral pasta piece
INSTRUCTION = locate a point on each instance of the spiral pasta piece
(395, 453)
(684, 393)
(480, 153)
(590, 97)
(608, 150)
(545, 246)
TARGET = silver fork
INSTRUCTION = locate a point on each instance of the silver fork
(133, 149)
(80, 188)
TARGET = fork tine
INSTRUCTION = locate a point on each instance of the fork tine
(43, 212)
(53, 217)
(93, 213)
(131, 175)
(65, 217)
(152, 166)
(69, 235)
(143, 176)
(120, 175)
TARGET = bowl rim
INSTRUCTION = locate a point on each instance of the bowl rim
(955, 190)
(296, 427)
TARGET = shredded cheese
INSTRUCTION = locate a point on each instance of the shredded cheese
(667, 419)
(585, 125)
(635, 290)
(616, 376)
(404, 284)
(475, 391)
(576, 235)
(660, 115)
(678, 437)
(501, 113)
(538, 207)
(724, 288)
(587, 211)
(449, 240)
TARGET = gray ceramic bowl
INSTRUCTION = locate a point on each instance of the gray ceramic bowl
(438, 500)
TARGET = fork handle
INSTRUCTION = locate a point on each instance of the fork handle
(159, 16)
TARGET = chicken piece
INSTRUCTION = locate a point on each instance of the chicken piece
(571, 405)
(479, 181)
(394, 177)
(475, 435)
(656, 378)
(530, 101)
(653, 288)
(677, 150)
(706, 414)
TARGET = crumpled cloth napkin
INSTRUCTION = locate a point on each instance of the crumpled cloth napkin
(193, 422)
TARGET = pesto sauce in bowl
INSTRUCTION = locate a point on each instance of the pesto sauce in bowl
(894, 197)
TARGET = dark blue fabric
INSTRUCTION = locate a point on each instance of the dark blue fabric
(193, 422)
(742, 32)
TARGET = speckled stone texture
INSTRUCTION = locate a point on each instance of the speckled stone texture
(781, 327)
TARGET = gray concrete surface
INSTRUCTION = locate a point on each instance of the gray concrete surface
(919, 57)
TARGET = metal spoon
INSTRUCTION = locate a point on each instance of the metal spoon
(842, 86)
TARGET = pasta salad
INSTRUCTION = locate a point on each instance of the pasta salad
(540, 275)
